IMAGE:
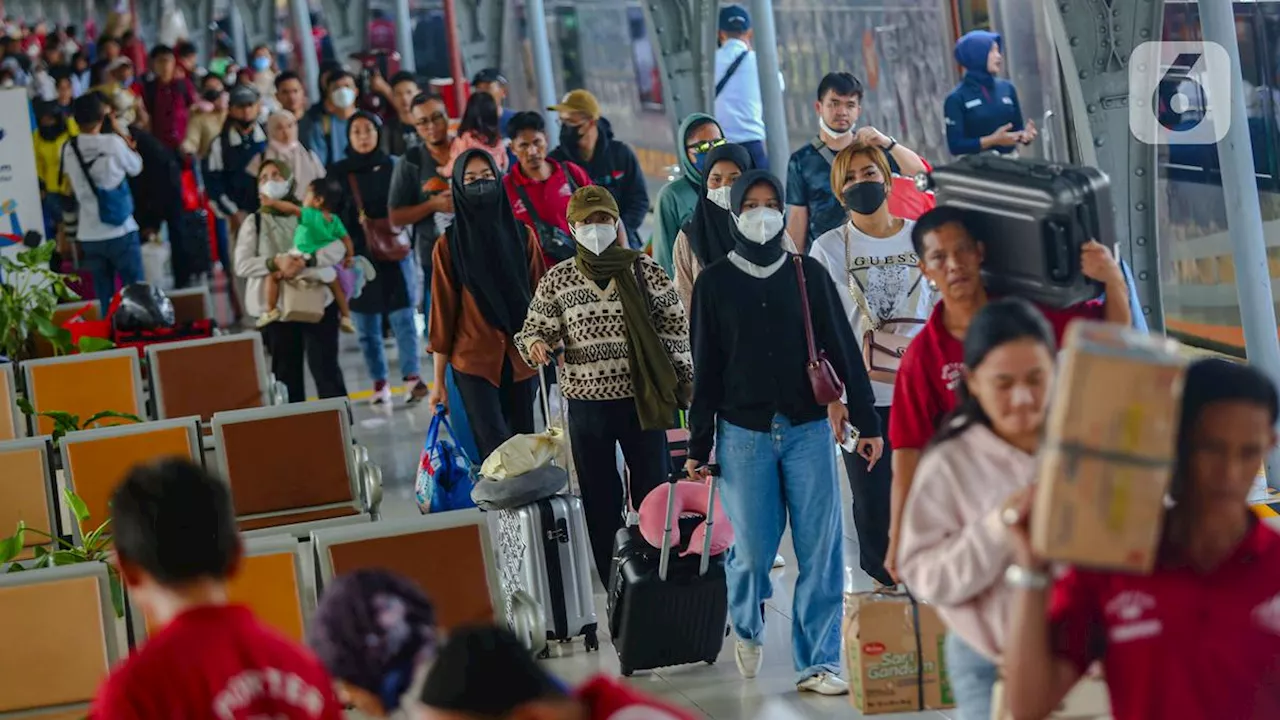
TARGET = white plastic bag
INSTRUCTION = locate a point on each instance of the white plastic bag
(155, 260)
(523, 453)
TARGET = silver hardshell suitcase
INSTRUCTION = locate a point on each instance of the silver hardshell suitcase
(545, 553)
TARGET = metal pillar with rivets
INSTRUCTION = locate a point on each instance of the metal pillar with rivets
(258, 18)
(684, 35)
(480, 34)
(1094, 39)
(348, 25)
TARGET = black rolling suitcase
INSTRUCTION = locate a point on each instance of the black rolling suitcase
(665, 609)
(1033, 216)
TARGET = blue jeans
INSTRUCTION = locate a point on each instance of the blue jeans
(105, 259)
(972, 676)
(369, 329)
(756, 149)
(768, 476)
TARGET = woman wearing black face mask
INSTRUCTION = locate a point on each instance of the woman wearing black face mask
(484, 271)
(773, 428)
(363, 182)
(886, 301)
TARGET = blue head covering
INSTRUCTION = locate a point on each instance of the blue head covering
(972, 51)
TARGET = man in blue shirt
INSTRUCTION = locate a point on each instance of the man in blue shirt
(812, 209)
(982, 112)
(323, 130)
(739, 110)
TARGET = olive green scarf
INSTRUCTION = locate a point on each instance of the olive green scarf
(653, 377)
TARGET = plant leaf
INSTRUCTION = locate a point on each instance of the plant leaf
(117, 590)
(46, 327)
(93, 344)
(25, 406)
(11, 546)
(91, 541)
(109, 414)
(15, 567)
(78, 508)
(67, 557)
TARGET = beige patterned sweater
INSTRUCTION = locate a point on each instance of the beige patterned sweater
(568, 307)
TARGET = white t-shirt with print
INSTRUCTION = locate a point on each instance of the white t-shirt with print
(887, 271)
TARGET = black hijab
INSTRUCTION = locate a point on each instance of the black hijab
(755, 253)
(370, 171)
(360, 162)
(708, 228)
(488, 247)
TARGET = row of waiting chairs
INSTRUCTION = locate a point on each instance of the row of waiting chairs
(291, 466)
(69, 636)
(185, 378)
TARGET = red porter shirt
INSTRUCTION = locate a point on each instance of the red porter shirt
(220, 663)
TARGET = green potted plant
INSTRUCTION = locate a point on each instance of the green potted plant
(65, 422)
(28, 297)
(95, 546)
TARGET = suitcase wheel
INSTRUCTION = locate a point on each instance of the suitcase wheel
(592, 641)
(545, 652)
(626, 671)
(712, 661)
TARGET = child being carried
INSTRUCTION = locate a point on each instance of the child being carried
(317, 227)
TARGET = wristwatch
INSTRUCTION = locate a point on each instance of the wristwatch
(1027, 579)
(893, 143)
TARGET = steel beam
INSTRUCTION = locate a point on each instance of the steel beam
(348, 25)
(301, 12)
(536, 12)
(1094, 39)
(258, 18)
(404, 36)
(683, 33)
(199, 16)
(480, 34)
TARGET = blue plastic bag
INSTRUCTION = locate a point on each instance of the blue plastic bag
(445, 472)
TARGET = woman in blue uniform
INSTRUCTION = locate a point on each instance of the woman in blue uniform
(983, 113)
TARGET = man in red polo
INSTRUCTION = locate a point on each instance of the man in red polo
(539, 188)
(924, 391)
(1199, 638)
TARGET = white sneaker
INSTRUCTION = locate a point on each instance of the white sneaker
(382, 396)
(824, 683)
(779, 561)
(749, 658)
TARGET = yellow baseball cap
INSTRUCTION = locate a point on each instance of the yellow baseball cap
(579, 101)
(588, 200)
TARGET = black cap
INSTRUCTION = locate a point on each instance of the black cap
(486, 671)
(488, 75)
(243, 95)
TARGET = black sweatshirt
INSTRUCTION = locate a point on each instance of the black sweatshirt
(750, 353)
(614, 167)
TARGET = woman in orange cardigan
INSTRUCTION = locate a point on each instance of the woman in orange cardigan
(484, 271)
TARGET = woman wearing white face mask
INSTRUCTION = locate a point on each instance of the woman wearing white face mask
(756, 403)
(705, 238)
(264, 245)
(283, 145)
(627, 366)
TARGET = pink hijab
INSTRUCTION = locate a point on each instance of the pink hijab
(305, 164)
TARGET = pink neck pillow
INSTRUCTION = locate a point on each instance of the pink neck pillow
(691, 497)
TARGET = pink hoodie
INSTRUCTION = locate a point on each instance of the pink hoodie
(953, 549)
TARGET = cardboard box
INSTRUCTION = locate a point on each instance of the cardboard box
(1110, 446)
(882, 656)
(1088, 700)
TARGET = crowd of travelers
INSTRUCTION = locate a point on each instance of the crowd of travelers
(524, 250)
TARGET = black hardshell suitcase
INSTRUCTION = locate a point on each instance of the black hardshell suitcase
(665, 609)
(1034, 217)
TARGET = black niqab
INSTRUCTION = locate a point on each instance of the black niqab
(762, 255)
(488, 248)
(708, 230)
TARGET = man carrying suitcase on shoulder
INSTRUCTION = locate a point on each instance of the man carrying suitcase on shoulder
(933, 365)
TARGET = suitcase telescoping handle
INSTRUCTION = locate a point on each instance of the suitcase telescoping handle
(542, 385)
(665, 560)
